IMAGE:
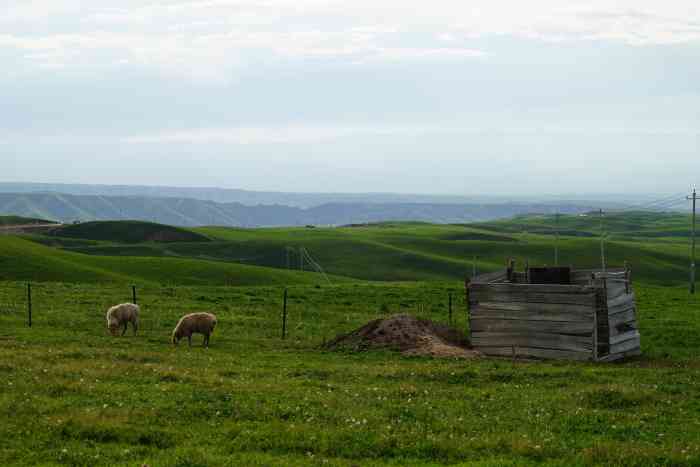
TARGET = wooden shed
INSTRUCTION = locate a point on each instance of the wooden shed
(554, 313)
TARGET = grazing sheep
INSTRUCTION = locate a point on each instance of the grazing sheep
(120, 316)
(201, 323)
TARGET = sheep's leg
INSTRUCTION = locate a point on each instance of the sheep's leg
(205, 342)
(124, 330)
(136, 326)
(189, 340)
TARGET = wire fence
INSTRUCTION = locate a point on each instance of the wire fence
(314, 314)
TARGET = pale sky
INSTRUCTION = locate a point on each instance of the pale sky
(453, 97)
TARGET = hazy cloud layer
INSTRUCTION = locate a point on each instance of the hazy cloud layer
(363, 95)
(205, 39)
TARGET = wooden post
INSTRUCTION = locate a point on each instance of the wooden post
(527, 271)
(284, 315)
(466, 302)
(595, 329)
(133, 294)
(29, 305)
(556, 241)
(692, 247)
(602, 243)
(510, 269)
(450, 307)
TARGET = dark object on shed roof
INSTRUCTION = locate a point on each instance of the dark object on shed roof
(550, 275)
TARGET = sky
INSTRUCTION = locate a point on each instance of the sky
(445, 97)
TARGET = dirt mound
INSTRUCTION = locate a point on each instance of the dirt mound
(407, 334)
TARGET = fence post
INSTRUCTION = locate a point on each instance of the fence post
(466, 302)
(133, 294)
(29, 304)
(284, 315)
(450, 307)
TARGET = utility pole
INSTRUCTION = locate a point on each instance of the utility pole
(694, 198)
(556, 240)
(602, 242)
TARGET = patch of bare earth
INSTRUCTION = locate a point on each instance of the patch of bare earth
(408, 335)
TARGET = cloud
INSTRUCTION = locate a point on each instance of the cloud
(306, 134)
(209, 39)
(293, 134)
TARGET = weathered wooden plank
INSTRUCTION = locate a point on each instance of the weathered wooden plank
(532, 339)
(622, 307)
(621, 300)
(619, 356)
(533, 311)
(519, 278)
(625, 346)
(537, 288)
(597, 272)
(490, 277)
(625, 317)
(523, 326)
(531, 352)
(622, 328)
(486, 295)
(630, 335)
(615, 289)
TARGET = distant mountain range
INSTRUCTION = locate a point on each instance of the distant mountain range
(196, 212)
(308, 200)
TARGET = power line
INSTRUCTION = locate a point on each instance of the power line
(305, 255)
(556, 240)
(602, 242)
(694, 198)
(657, 204)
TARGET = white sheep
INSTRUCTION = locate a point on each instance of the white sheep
(120, 316)
(200, 323)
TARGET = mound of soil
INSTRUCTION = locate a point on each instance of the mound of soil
(407, 334)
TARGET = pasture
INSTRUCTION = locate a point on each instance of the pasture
(655, 244)
(72, 395)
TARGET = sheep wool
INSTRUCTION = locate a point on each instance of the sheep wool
(194, 323)
(120, 316)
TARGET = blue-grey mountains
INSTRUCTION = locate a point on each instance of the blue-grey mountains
(226, 207)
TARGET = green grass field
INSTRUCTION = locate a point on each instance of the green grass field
(73, 395)
(24, 260)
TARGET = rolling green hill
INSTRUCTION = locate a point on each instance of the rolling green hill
(24, 260)
(620, 225)
(18, 220)
(128, 232)
(388, 251)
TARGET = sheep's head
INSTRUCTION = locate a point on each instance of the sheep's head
(113, 327)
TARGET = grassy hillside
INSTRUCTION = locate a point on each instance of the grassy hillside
(419, 251)
(17, 220)
(73, 395)
(28, 261)
(621, 226)
(423, 252)
(128, 232)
